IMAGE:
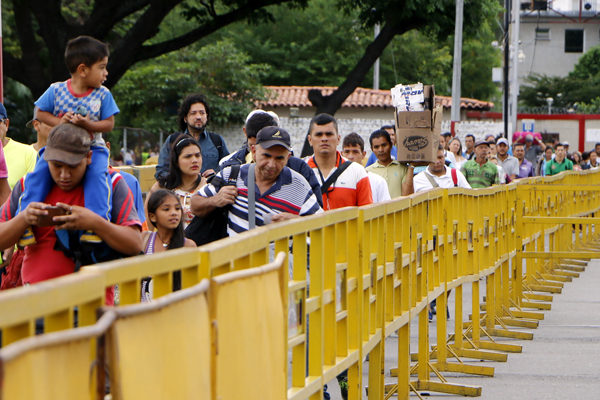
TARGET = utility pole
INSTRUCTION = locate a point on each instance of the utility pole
(514, 84)
(376, 65)
(506, 65)
(457, 64)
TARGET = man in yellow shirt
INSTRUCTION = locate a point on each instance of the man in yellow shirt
(398, 176)
(20, 158)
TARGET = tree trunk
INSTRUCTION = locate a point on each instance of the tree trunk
(331, 103)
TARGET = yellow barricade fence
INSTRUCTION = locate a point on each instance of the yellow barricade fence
(182, 345)
(356, 276)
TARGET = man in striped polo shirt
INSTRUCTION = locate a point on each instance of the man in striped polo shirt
(352, 187)
(480, 173)
(280, 193)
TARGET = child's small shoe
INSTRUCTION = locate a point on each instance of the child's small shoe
(27, 239)
(90, 237)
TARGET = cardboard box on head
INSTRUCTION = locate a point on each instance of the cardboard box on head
(418, 132)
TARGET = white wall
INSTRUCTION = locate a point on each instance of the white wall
(548, 56)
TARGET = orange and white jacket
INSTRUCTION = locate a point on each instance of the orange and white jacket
(352, 187)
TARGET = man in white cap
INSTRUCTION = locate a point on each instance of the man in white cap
(508, 163)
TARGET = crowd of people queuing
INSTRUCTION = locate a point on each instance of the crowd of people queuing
(65, 207)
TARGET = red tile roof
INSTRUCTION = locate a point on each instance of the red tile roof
(297, 96)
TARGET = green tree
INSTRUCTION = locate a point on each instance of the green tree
(577, 91)
(36, 31)
(149, 93)
(299, 56)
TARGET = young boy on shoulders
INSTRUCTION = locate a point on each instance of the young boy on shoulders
(82, 101)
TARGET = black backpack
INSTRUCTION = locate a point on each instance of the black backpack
(212, 226)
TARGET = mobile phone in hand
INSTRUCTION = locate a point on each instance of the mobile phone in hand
(53, 211)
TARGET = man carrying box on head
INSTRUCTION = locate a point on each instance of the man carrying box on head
(398, 176)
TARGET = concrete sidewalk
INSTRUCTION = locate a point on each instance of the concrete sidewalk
(563, 359)
(561, 362)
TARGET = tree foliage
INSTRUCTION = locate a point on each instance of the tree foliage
(36, 31)
(579, 91)
(149, 94)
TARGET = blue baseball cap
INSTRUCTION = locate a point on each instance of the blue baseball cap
(3, 114)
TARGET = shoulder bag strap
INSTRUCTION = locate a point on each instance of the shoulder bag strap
(431, 180)
(251, 204)
(333, 177)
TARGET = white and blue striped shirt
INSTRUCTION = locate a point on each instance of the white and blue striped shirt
(290, 193)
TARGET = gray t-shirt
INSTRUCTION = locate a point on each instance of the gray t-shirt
(510, 165)
(533, 153)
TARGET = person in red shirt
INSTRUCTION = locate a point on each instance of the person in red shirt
(63, 213)
(352, 186)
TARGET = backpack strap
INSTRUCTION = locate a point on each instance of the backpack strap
(218, 182)
(454, 176)
(333, 177)
(218, 142)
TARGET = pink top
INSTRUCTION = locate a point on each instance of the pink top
(3, 169)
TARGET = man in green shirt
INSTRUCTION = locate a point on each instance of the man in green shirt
(398, 176)
(480, 173)
(560, 162)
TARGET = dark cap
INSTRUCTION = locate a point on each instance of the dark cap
(481, 141)
(270, 136)
(3, 114)
(68, 144)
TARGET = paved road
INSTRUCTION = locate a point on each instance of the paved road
(561, 362)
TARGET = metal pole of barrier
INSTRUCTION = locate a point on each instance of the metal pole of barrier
(315, 311)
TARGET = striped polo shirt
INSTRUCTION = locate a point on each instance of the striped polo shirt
(480, 176)
(290, 193)
(352, 187)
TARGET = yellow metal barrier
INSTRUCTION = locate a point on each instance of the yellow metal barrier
(58, 365)
(358, 275)
(162, 349)
(249, 365)
(143, 173)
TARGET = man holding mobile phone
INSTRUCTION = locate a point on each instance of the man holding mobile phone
(61, 218)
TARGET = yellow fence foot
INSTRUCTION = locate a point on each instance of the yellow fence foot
(559, 285)
(535, 304)
(505, 347)
(538, 296)
(480, 354)
(465, 368)
(556, 277)
(446, 387)
(561, 272)
(511, 334)
(527, 314)
(569, 261)
(521, 323)
(572, 268)
(545, 288)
